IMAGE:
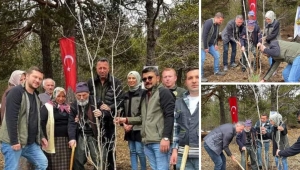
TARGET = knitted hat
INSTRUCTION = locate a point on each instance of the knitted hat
(251, 13)
(82, 87)
(248, 123)
(251, 22)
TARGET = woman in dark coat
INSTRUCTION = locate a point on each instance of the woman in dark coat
(54, 120)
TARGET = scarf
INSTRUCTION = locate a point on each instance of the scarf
(138, 80)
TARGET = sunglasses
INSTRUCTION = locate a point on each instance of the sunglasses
(149, 78)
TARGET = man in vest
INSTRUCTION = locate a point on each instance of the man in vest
(209, 43)
(283, 51)
(186, 123)
(21, 132)
(156, 117)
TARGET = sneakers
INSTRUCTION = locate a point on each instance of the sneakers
(225, 68)
(220, 73)
(203, 79)
(233, 65)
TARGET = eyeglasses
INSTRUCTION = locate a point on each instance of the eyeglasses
(149, 78)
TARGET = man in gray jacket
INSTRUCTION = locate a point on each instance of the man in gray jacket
(231, 34)
(283, 51)
(218, 140)
(209, 43)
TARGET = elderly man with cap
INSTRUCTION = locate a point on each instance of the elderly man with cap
(246, 141)
(83, 133)
(279, 137)
(250, 34)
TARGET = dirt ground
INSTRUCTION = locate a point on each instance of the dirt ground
(123, 158)
(293, 162)
(236, 74)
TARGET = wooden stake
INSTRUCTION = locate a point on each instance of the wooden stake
(184, 157)
(72, 157)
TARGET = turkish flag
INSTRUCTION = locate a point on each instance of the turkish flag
(68, 57)
(233, 109)
(252, 6)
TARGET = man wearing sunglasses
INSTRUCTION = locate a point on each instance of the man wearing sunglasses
(157, 118)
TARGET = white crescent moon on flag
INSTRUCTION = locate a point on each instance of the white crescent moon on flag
(253, 6)
(68, 57)
(233, 107)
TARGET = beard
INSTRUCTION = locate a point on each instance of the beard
(246, 130)
(83, 103)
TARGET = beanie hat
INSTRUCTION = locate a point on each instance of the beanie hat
(82, 87)
(251, 13)
(248, 123)
(251, 22)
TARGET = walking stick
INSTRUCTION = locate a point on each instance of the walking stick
(246, 164)
(238, 164)
(72, 157)
(184, 156)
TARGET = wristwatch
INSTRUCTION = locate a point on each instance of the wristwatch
(166, 139)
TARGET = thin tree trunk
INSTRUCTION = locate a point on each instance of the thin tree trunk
(45, 36)
(273, 97)
(222, 105)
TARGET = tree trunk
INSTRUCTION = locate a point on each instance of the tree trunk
(45, 36)
(152, 14)
(274, 97)
(222, 105)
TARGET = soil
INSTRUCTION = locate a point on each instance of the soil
(236, 74)
(293, 162)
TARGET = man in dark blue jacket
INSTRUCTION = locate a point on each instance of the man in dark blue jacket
(218, 140)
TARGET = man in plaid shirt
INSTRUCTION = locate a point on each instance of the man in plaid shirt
(186, 123)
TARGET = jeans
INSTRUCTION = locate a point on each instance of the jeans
(259, 148)
(283, 163)
(251, 153)
(32, 152)
(157, 159)
(137, 150)
(271, 60)
(219, 160)
(291, 71)
(225, 52)
(191, 163)
(215, 54)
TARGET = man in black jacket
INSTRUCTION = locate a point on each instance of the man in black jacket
(105, 92)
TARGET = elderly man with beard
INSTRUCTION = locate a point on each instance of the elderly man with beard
(84, 128)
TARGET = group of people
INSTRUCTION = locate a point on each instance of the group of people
(253, 140)
(247, 35)
(158, 120)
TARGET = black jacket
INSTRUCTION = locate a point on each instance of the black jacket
(291, 151)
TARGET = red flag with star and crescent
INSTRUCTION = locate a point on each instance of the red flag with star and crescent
(252, 6)
(233, 109)
(68, 57)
